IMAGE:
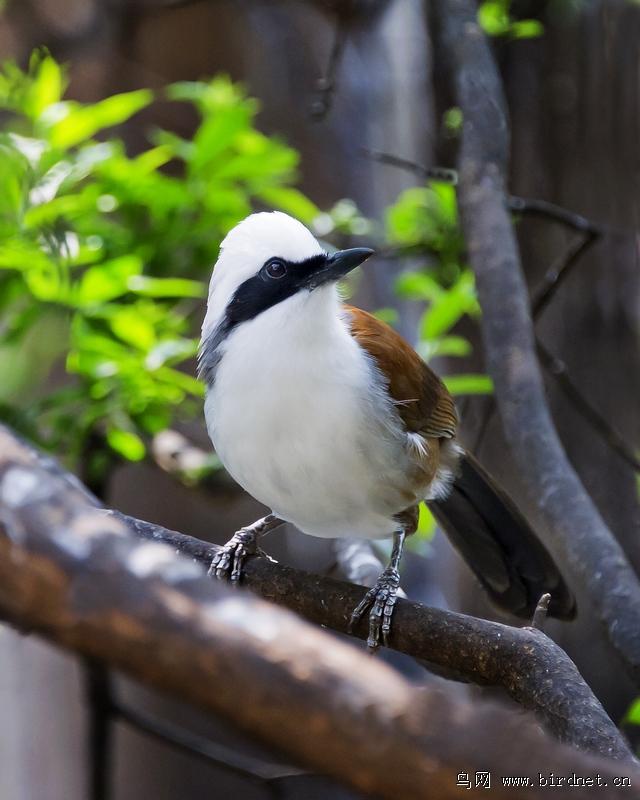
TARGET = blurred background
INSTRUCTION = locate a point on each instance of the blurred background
(339, 82)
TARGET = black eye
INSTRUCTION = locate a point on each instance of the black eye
(276, 268)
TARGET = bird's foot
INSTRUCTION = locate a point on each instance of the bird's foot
(382, 598)
(228, 561)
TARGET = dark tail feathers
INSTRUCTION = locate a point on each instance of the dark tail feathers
(497, 542)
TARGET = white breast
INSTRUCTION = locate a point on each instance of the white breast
(293, 417)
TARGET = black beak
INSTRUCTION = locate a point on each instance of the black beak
(339, 264)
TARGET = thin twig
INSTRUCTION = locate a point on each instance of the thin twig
(558, 371)
(559, 271)
(533, 206)
(540, 614)
(435, 173)
(328, 84)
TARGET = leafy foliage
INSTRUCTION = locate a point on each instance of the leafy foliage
(425, 219)
(632, 715)
(496, 19)
(101, 254)
(344, 218)
(452, 122)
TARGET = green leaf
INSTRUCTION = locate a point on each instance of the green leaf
(176, 145)
(152, 159)
(47, 187)
(192, 91)
(452, 121)
(407, 221)
(131, 326)
(468, 384)
(186, 382)
(108, 280)
(633, 713)
(447, 204)
(216, 134)
(291, 201)
(166, 287)
(449, 307)
(12, 295)
(427, 218)
(421, 542)
(389, 316)
(127, 443)
(47, 282)
(91, 156)
(419, 286)
(23, 256)
(493, 18)
(82, 122)
(18, 324)
(46, 89)
(171, 350)
(526, 29)
(60, 210)
(444, 346)
(222, 94)
(440, 317)
(426, 523)
(32, 149)
(155, 418)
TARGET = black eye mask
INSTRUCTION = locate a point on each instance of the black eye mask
(277, 280)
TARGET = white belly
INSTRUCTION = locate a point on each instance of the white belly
(292, 417)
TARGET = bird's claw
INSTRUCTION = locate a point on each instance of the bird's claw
(383, 598)
(229, 559)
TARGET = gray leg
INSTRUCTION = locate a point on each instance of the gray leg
(383, 598)
(229, 559)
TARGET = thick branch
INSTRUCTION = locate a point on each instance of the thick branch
(531, 667)
(536, 672)
(579, 536)
(74, 573)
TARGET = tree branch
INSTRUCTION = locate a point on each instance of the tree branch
(74, 573)
(579, 536)
(531, 667)
(534, 671)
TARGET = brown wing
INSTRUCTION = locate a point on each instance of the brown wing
(422, 400)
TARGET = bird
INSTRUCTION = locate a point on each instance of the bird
(328, 417)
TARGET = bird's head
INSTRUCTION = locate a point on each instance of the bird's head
(265, 260)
